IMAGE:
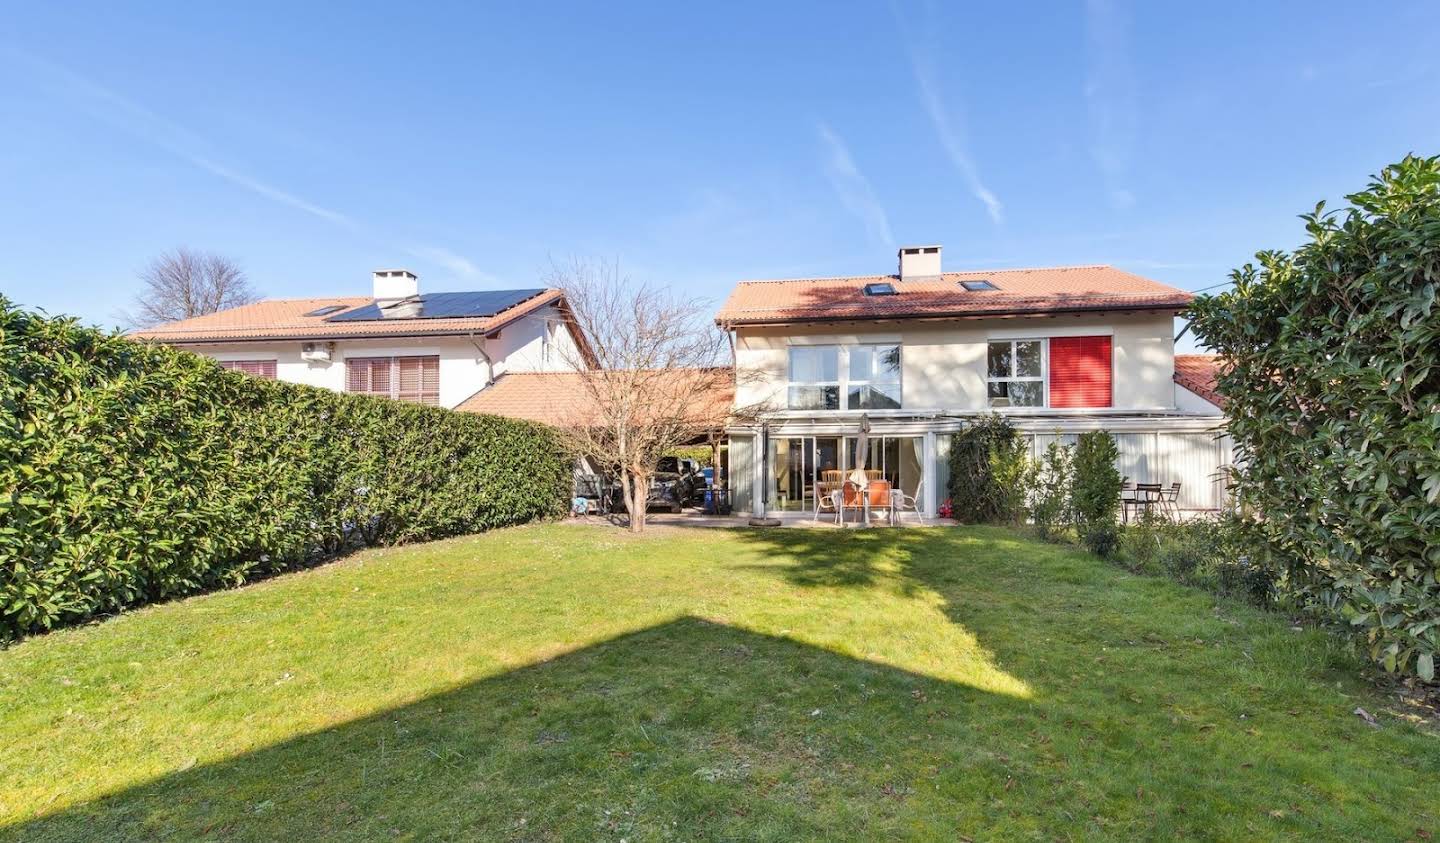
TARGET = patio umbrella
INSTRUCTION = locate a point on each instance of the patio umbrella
(862, 450)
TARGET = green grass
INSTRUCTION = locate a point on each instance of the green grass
(563, 682)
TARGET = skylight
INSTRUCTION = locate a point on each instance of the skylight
(979, 285)
(326, 310)
(880, 288)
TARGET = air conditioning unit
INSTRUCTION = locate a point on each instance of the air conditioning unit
(317, 352)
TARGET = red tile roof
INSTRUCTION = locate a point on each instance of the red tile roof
(562, 398)
(1063, 289)
(1197, 373)
(287, 319)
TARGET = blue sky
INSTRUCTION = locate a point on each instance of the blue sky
(698, 145)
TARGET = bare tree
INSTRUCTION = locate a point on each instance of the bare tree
(183, 283)
(655, 377)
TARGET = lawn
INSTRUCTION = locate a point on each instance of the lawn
(566, 682)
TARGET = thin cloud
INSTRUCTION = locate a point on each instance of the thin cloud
(1110, 97)
(948, 122)
(853, 188)
(139, 121)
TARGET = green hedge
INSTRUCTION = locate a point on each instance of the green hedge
(1332, 388)
(989, 472)
(130, 473)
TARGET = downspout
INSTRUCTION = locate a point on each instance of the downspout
(489, 363)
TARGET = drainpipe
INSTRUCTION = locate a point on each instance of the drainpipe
(489, 364)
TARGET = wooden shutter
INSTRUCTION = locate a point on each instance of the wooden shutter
(368, 375)
(418, 379)
(258, 368)
(1080, 372)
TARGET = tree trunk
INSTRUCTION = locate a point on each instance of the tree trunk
(637, 493)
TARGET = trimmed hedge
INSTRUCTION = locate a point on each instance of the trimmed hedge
(131, 473)
(989, 472)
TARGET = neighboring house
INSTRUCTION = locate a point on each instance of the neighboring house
(432, 348)
(1060, 351)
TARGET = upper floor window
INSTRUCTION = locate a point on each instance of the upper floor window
(1061, 372)
(874, 382)
(258, 368)
(858, 377)
(1016, 373)
(415, 379)
(814, 377)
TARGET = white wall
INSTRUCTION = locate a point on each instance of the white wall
(943, 363)
(1188, 402)
(463, 370)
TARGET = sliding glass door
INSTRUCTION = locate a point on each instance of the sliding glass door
(803, 468)
(798, 470)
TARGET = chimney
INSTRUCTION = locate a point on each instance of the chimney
(395, 284)
(919, 262)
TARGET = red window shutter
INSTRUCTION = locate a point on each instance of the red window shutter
(1080, 372)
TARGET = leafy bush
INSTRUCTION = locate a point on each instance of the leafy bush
(1050, 502)
(989, 472)
(1213, 553)
(1096, 496)
(1332, 389)
(130, 473)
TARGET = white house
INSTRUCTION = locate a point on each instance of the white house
(431, 348)
(915, 355)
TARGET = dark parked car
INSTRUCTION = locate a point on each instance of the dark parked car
(676, 483)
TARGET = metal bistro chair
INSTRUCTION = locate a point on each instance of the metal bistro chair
(1127, 498)
(1172, 500)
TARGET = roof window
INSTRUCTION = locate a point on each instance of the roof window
(326, 310)
(880, 288)
(978, 285)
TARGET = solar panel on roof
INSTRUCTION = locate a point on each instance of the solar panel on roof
(475, 304)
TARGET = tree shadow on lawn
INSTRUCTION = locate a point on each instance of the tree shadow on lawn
(1151, 713)
(1147, 698)
(686, 729)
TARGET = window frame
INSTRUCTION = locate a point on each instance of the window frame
(394, 392)
(268, 367)
(791, 383)
(843, 382)
(899, 382)
(1044, 377)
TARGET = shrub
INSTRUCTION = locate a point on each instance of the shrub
(989, 472)
(1050, 494)
(1095, 499)
(130, 473)
(1332, 390)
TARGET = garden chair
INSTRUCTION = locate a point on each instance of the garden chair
(852, 497)
(1172, 500)
(1127, 498)
(902, 503)
(826, 499)
(878, 496)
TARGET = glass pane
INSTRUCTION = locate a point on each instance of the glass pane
(814, 397)
(887, 363)
(814, 363)
(1027, 394)
(861, 362)
(999, 360)
(999, 392)
(1027, 359)
(885, 396)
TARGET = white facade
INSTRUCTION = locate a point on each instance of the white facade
(1165, 433)
(537, 342)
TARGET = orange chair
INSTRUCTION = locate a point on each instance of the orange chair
(877, 497)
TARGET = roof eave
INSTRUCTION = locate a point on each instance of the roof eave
(1177, 308)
